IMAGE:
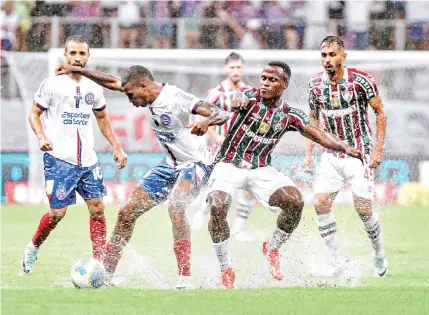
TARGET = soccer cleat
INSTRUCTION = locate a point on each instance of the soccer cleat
(184, 283)
(381, 266)
(29, 258)
(273, 258)
(227, 278)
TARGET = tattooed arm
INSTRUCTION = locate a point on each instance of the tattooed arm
(215, 116)
(104, 79)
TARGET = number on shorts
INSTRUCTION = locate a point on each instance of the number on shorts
(97, 173)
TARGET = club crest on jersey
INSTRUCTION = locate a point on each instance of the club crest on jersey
(263, 129)
(165, 120)
(347, 96)
(89, 98)
(61, 193)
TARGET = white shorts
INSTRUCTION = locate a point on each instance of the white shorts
(333, 172)
(260, 182)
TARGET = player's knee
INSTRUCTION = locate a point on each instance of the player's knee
(218, 202)
(96, 208)
(287, 198)
(322, 204)
(56, 215)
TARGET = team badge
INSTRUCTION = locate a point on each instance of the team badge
(61, 193)
(263, 129)
(165, 120)
(347, 96)
(89, 98)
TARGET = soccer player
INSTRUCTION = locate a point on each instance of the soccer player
(339, 97)
(244, 160)
(180, 175)
(221, 96)
(70, 162)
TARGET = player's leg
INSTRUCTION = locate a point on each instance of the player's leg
(244, 206)
(60, 182)
(327, 182)
(185, 190)
(223, 182)
(277, 192)
(91, 188)
(362, 181)
(152, 190)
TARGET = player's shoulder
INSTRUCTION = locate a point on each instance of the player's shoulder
(178, 93)
(315, 80)
(251, 93)
(356, 73)
(298, 114)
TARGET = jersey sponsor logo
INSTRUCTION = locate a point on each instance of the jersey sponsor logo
(366, 85)
(257, 138)
(39, 92)
(60, 193)
(165, 120)
(90, 98)
(75, 118)
(165, 136)
(256, 117)
(186, 96)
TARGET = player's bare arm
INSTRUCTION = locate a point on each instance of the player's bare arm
(104, 79)
(329, 141)
(215, 116)
(106, 129)
(377, 105)
(36, 124)
(308, 164)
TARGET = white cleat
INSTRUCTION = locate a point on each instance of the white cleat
(29, 258)
(381, 266)
(184, 283)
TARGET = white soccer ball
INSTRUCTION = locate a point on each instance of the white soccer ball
(88, 273)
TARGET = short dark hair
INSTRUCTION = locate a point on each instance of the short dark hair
(233, 56)
(76, 38)
(135, 73)
(283, 65)
(329, 40)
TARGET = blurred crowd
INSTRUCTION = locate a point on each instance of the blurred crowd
(28, 25)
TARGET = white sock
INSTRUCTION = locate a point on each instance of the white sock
(327, 225)
(373, 229)
(278, 238)
(32, 247)
(222, 253)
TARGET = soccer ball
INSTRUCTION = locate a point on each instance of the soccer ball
(88, 273)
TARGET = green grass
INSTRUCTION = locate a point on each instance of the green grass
(49, 291)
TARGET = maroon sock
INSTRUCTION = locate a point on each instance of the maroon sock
(45, 227)
(97, 231)
(111, 257)
(182, 249)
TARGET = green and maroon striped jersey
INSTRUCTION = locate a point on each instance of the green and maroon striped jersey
(343, 107)
(255, 132)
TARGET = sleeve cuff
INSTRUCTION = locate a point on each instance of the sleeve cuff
(194, 109)
(41, 107)
(100, 108)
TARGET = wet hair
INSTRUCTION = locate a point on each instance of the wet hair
(135, 73)
(76, 38)
(284, 66)
(232, 57)
(329, 40)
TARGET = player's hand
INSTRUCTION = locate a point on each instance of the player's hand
(240, 101)
(375, 160)
(354, 153)
(120, 157)
(308, 164)
(199, 128)
(45, 144)
(64, 69)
